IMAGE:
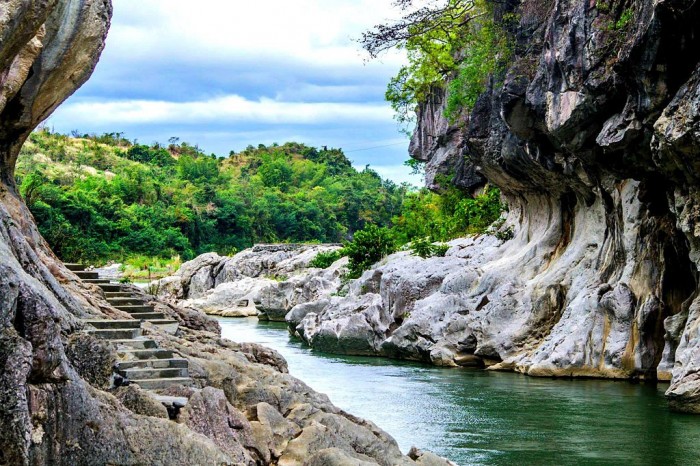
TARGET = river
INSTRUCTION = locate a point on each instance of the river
(476, 417)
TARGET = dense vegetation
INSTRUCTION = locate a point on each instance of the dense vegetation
(455, 41)
(426, 218)
(101, 198)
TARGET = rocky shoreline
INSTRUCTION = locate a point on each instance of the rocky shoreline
(267, 281)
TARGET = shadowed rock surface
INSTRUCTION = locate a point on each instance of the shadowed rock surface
(592, 136)
(57, 406)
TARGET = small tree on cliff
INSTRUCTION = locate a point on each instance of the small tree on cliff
(445, 39)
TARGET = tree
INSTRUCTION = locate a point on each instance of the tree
(443, 40)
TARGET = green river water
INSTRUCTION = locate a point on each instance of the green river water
(476, 417)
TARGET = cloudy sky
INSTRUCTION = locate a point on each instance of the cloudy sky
(225, 74)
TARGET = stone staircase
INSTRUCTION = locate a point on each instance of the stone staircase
(141, 361)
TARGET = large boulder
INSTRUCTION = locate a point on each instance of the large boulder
(231, 299)
(278, 298)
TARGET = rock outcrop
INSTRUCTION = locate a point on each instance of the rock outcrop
(58, 403)
(267, 280)
(592, 136)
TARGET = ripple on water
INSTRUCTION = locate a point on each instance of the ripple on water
(489, 418)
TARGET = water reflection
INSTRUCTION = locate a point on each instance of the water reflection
(487, 418)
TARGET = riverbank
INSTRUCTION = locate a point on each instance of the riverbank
(477, 417)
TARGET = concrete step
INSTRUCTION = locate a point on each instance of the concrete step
(171, 363)
(74, 267)
(134, 344)
(176, 401)
(126, 301)
(87, 275)
(163, 321)
(110, 287)
(148, 315)
(154, 353)
(166, 325)
(131, 309)
(137, 374)
(116, 334)
(96, 281)
(118, 294)
(113, 324)
(159, 384)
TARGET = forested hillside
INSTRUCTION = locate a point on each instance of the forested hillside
(105, 198)
(99, 198)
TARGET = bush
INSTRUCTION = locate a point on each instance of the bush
(369, 246)
(425, 248)
(505, 235)
(323, 260)
(439, 250)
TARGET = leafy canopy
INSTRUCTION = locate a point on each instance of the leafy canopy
(99, 198)
(443, 39)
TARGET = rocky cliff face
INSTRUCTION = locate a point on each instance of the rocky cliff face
(57, 406)
(592, 136)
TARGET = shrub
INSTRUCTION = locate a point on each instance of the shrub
(505, 235)
(439, 250)
(425, 248)
(323, 260)
(369, 246)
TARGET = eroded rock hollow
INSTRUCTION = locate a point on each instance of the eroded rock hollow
(592, 135)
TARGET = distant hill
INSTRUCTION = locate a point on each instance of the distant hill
(97, 198)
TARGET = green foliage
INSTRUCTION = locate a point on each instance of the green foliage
(148, 155)
(505, 235)
(446, 216)
(625, 18)
(417, 166)
(368, 247)
(323, 260)
(486, 52)
(430, 60)
(602, 6)
(96, 202)
(424, 247)
(439, 250)
(459, 43)
(481, 211)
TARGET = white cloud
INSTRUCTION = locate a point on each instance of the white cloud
(225, 74)
(220, 110)
(319, 32)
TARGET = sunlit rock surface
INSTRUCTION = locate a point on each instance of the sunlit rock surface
(267, 280)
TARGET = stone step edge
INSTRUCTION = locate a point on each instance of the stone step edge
(163, 382)
(184, 363)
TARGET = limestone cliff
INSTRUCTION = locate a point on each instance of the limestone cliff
(592, 136)
(58, 403)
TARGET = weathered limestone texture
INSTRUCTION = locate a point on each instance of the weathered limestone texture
(267, 280)
(592, 135)
(59, 405)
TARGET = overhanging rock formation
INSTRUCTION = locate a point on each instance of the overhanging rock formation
(593, 139)
(593, 136)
